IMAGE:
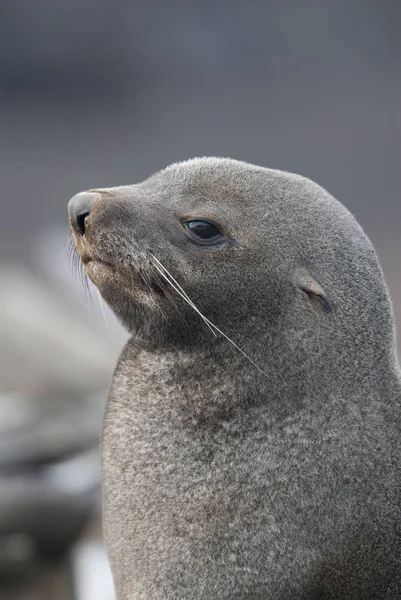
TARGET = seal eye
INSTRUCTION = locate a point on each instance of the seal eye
(203, 231)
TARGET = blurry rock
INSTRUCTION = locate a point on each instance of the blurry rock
(41, 430)
(43, 511)
(93, 578)
(55, 366)
(45, 347)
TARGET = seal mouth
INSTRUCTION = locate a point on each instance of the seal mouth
(88, 253)
(138, 275)
(86, 259)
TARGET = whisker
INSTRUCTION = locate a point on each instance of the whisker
(68, 246)
(183, 295)
(211, 325)
(78, 269)
(238, 348)
(102, 308)
(174, 280)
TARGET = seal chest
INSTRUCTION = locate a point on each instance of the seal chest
(251, 442)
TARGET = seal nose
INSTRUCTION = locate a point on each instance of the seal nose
(79, 208)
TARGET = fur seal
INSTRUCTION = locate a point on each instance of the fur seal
(251, 443)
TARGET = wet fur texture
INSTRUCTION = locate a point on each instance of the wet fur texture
(219, 482)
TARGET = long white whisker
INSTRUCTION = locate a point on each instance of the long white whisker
(171, 279)
(102, 308)
(238, 348)
(163, 271)
(186, 298)
(174, 280)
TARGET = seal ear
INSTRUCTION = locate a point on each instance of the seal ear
(312, 288)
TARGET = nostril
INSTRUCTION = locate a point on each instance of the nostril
(81, 222)
(79, 208)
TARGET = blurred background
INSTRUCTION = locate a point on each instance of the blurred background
(96, 94)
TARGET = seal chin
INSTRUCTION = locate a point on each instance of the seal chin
(98, 270)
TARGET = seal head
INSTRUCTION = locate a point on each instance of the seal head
(288, 249)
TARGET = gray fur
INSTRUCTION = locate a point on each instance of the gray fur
(220, 482)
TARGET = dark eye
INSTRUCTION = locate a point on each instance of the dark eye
(203, 231)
